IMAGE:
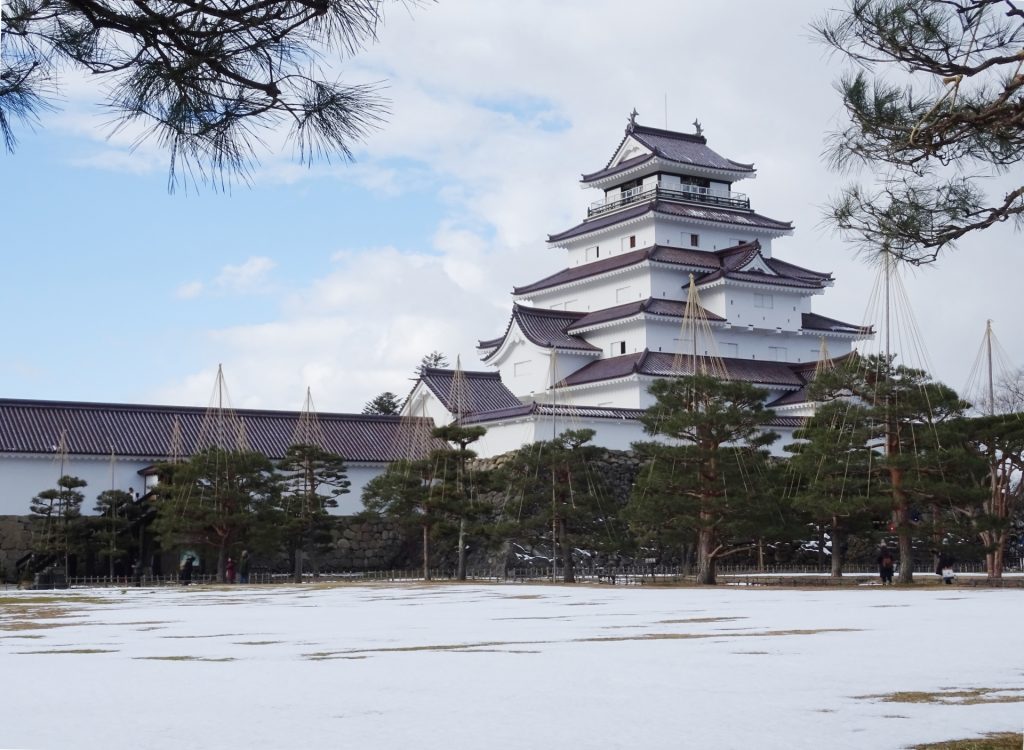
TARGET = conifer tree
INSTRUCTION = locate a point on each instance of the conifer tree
(832, 470)
(557, 502)
(934, 103)
(117, 511)
(310, 481)
(214, 499)
(58, 513)
(712, 478)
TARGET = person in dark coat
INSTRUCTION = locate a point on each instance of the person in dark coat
(243, 567)
(885, 565)
(229, 571)
(944, 567)
(186, 570)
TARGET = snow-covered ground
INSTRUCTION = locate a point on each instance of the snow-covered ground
(513, 666)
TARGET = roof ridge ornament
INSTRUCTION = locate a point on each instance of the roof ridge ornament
(632, 121)
(698, 129)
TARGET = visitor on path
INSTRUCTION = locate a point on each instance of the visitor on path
(944, 568)
(243, 567)
(229, 571)
(186, 570)
(885, 565)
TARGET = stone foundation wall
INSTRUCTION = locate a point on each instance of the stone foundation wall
(15, 541)
(365, 545)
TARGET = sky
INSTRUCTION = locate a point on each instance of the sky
(340, 277)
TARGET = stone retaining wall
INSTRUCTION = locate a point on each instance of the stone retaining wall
(15, 541)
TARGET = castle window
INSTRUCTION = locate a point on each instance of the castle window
(632, 240)
(522, 368)
(764, 301)
(617, 348)
(622, 294)
(778, 353)
(730, 350)
(694, 240)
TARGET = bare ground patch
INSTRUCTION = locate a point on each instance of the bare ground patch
(952, 697)
(997, 741)
(185, 658)
(72, 651)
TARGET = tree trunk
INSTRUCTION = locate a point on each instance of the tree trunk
(460, 573)
(222, 561)
(705, 560)
(568, 570)
(821, 547)
(426, 552)
(900, 514)
(297, 570)
(837, 549)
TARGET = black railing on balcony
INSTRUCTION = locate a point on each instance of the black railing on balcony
(732, 200)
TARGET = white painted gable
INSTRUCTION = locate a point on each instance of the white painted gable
(629, 149)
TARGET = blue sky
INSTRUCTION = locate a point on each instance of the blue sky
(339, 277)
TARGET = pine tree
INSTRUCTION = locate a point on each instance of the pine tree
(58, 514)
(832, 469)
(557, 502)
(712, 478)
(310, 481)
(386, 404)
(214, 499)
(934, 103)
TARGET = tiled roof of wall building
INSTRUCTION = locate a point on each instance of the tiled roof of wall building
(747, 219)
(545, 328)
(650, 306)
(663, 364)
(483, 391)
(145, 431)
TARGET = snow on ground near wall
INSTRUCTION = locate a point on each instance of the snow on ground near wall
(473, 666)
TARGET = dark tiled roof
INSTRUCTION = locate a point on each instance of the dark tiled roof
(815, 322)
(783, 268)
(584, 271)
(723, 216)
(145, 431)
(620, 167)
(747, 219)
(482, 391)
(546, 328)
(651, 306)
(758, 277)
(696, 259)
(788, 399)
(559, 410)
(662, 364)
(683, 148)
(602, 221)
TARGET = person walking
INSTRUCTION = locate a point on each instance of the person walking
(885, 565)
(243, 567)
(945, 568)
(186, 570)
(229, 571)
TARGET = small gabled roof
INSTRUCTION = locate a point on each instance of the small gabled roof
(745, 262)
(650, 306)
(687, 149)
(481, 391)
(664, 364)
(698, 212)
(144, 431)
(545, 328)
(815, 322)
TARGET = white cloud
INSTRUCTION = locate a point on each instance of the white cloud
(502, 113)
(189, 290)
(247, 275)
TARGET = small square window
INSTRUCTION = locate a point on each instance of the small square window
(694, 240)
